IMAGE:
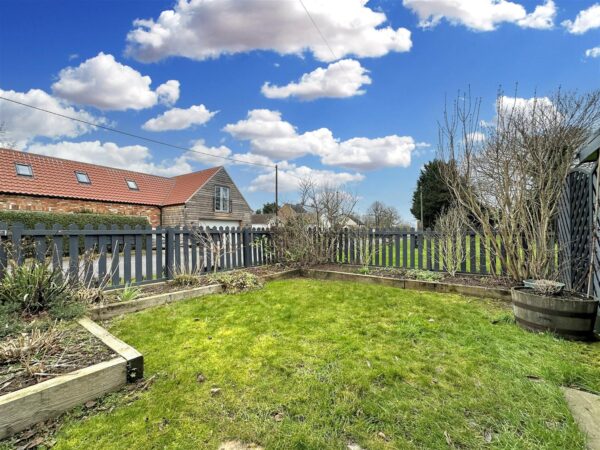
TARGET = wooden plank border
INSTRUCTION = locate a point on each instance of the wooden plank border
(116, 309)
(431, 286)
(26, 407)
(135, 360)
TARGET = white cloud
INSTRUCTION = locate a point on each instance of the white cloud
(275, 138)
(103, 82)
(593, 52)
(25, 124)
(133, 157)
(168, 93)
(482, 15)
(369, 154)
(213, 158)
(586, 20)
(343, 78)
(290, 178)
(202, 29)
(179, 119)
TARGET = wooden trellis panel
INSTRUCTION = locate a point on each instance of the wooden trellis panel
(574, 226)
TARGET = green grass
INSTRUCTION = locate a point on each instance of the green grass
(308, 364)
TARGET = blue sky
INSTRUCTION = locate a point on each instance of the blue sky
(368, 118)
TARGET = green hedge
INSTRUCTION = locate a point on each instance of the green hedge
(29, 219)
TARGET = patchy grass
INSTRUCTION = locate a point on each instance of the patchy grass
(313, 364)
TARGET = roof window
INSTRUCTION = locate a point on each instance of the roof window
(132, 185)
(24, 170)
(82, 177)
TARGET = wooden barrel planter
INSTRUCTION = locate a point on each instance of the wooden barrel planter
(570, 317)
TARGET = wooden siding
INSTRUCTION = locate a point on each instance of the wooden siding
(173, 216)
(201, 205)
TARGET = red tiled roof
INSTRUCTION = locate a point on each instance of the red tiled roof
(55, 177)
(186, 185)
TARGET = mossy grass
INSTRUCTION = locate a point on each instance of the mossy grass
(305, 364)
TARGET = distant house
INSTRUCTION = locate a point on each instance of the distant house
(263, 220)
(33, 182)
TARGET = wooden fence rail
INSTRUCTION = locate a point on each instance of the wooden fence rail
(115, 257)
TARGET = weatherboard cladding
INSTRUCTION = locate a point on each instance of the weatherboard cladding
(55, 177)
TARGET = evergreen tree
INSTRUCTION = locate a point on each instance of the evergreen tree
(268, 208)
(436, 195)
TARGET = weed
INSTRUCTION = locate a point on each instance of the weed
(129, 293)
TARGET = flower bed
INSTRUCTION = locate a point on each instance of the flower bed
(114, 364)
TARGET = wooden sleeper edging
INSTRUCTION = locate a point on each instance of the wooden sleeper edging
(431, 286)
(28, 406)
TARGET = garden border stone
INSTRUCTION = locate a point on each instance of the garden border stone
(26, 407)
(430, 286)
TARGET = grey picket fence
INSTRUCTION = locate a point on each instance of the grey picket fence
(114, 257)
(413, 250)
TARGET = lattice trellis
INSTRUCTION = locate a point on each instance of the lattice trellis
(575, 227)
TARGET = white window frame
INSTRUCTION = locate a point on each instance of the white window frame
(222, 199)
(29, 173)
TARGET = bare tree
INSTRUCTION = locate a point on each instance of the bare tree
(450, 228)
(508, 174)
(312, 237)
(380, 215)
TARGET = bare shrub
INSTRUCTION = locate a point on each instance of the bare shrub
(312, 237)
(24, 347)
(547, 287)
(450, 229)
(508, 174)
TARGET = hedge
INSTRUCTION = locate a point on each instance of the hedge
(30, 218)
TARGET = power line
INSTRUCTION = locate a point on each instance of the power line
(318, 29)
(126, 133)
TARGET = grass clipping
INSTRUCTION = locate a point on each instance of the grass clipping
(234, 282)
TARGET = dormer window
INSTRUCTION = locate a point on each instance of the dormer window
(132, 185)
(24, 170)
(82, 177)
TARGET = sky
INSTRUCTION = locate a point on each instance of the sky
(345, 92)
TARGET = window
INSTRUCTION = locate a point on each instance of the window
(24, 170)
(132, 185)
(82, 177)
(222, 199)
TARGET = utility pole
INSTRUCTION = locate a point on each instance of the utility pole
(276, 192)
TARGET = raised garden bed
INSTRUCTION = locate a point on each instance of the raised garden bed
(424, 275)
(98, 363)
(168, 292)
(433, 286)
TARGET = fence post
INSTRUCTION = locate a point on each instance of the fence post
(246, 247)
(170, 255)
(17, 234)
(3, 251)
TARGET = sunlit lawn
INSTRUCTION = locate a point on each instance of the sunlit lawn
(307, 364)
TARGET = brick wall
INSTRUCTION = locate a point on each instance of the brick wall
(48, 204)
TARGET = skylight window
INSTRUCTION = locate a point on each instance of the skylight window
(132, 185)
(24, 170)
(82, 177)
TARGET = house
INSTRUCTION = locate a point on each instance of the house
(263, 220)
(33, 182)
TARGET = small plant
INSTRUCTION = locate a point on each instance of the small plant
(33, 288)
(233, 282)
(185, 280)
(364, 270)
(129, 293)
(424, 275)
(546, 287)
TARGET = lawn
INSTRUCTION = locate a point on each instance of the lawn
(314, 364)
